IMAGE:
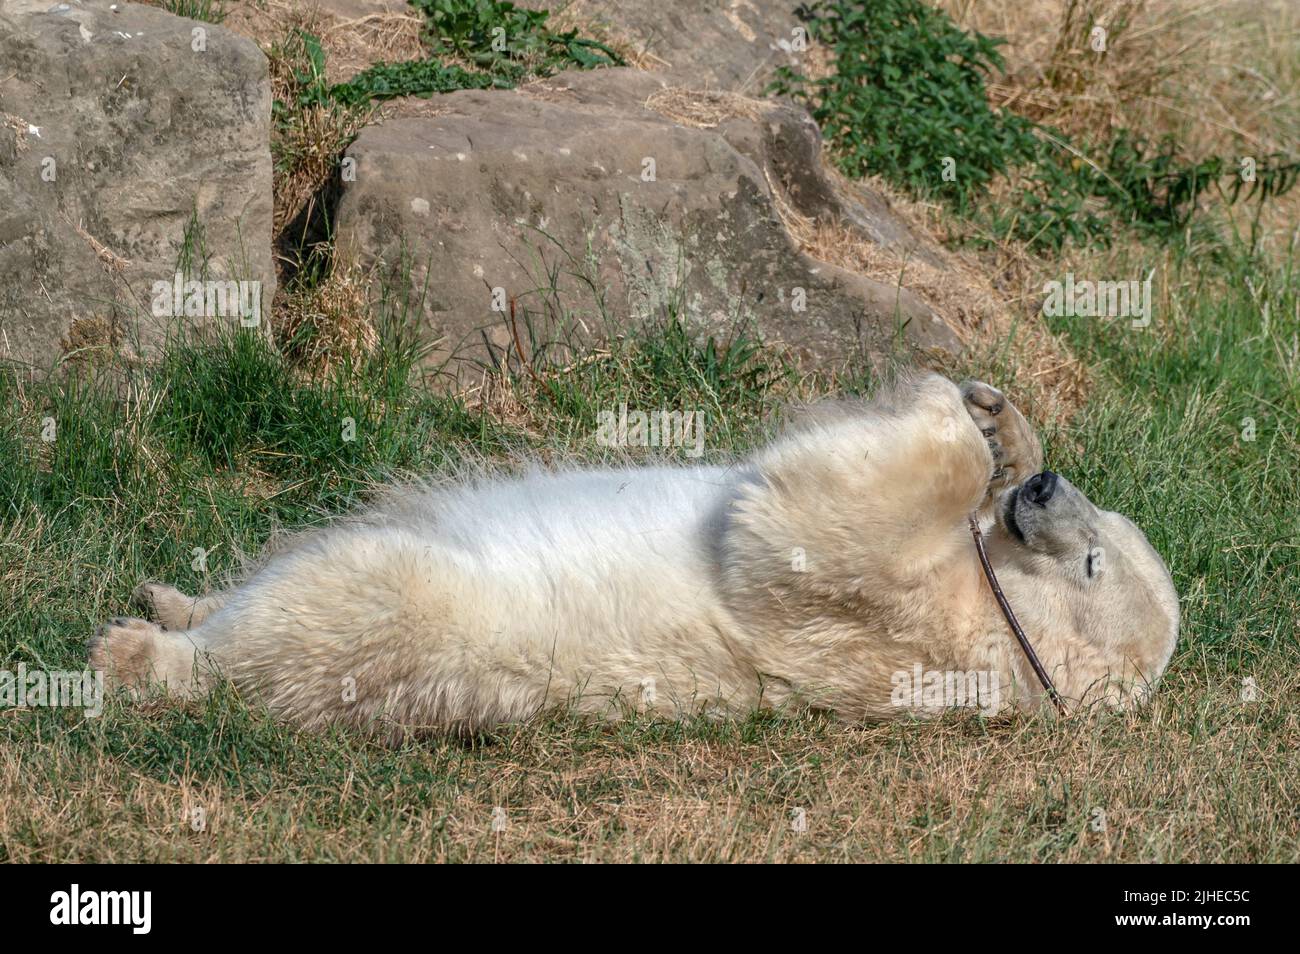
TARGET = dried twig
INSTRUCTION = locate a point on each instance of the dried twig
(1014, 623)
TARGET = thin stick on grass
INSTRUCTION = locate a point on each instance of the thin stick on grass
(1014, 623)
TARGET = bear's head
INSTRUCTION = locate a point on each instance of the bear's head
(1093, 595)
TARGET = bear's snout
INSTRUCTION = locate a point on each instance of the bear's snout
(1039, 488)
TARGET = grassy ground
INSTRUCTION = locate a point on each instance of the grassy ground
(172, 470)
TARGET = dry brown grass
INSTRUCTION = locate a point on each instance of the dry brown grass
(92, 338)
(325, 323)
(310, 147)
(704, 109)
(1201, 776)
(352, 45)
(1203, 70)
(1220, 76)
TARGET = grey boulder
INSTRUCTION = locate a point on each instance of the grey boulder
(131, 141)
(609, 195)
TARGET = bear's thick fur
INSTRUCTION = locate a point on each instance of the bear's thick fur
(833, 569)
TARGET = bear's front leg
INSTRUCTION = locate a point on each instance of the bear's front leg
(1017, 452)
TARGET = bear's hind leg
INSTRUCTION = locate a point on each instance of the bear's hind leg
(135, 653)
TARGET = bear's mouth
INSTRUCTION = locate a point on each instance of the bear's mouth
(1009, 515)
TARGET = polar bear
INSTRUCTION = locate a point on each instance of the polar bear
(833, 569)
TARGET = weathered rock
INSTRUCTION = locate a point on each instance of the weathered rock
(584, 183)
(116, 134)
(731, 45)
(356, 9)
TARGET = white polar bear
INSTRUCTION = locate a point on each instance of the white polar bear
(833, 569)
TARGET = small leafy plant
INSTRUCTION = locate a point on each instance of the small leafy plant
(908, 100)
(475, 44)
(504, 40)
(410, 78)
(907, 93)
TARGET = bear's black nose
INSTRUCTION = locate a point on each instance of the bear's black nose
(1039, 488)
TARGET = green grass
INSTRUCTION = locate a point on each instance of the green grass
(211, 11)
(220, 444)
(1170, 444)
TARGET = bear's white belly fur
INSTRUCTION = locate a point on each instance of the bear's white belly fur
(487, 603)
